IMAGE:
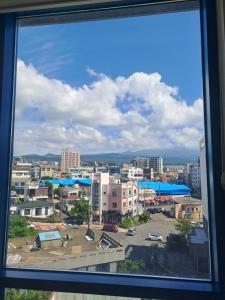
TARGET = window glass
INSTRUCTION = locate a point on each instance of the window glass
(109, 136)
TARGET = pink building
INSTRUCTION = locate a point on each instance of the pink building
(122, 201)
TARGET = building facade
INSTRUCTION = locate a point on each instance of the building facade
(69, 159)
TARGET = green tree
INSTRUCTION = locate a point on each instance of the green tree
(130, 265)
(46, 178)
(50, 188)
(81, 211)
(13, 294)
(18, 227)
(176, 242)
(57, 191)
(184, 226)
(144, 217)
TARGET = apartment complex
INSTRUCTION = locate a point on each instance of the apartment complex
(69, 159)
(151, 162)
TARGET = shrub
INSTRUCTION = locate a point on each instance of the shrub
(176, 242)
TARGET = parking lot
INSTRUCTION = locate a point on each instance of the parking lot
(159, 224)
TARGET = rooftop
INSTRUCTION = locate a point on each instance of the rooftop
(32, 204)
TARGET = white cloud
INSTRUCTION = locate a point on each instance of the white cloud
(109, 115)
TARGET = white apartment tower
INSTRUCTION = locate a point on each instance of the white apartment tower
(69, 159)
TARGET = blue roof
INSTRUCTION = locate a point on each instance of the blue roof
(69, 181)
(49, 235)
(162, 188)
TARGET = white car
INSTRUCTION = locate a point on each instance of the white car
(154, 237)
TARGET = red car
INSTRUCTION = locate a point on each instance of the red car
(110, 227)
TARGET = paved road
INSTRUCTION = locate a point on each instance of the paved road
(159, 224)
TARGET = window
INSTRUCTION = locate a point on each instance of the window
(213, 142)
(114, 194)
(114, 205)
(27, 212)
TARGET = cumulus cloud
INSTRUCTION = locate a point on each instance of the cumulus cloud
(109, 115)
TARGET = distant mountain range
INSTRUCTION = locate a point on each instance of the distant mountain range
(170, 156)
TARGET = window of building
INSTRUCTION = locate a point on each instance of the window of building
(138, 93)
(114, 193)
(114, 205)
(27, 212)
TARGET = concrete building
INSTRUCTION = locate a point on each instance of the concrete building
(132, 173)
(46, 171)
(35, 209)
(35, 191)
(99, 191)
(190, 208)
(156, 163)
(204, 191)
(122, 202)
(69, 159)
(195, 178)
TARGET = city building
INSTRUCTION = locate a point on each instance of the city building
(122, 202)
(187, 208)
(195, 178)
(156, 163)
(35, 209)
(204, 190)
(46, 171)
(99, 191)
(132, 173)
(69, 159)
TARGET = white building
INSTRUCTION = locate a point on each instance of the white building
(69, 159)
(99, 195)
(132, 173)
(35, 209)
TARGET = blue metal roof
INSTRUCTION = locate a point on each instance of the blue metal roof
(162, 188)
(69, 181)
(49, 236)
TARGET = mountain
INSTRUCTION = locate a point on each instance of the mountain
(171, 156)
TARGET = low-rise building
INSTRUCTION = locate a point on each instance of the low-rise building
(191, 208)
(35, 209)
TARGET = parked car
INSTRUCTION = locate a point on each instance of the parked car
(110, 228)
(132, 231)
(154, 237)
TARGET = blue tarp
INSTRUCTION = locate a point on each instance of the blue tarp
(69, 181)
(49, 235)
(165, 188)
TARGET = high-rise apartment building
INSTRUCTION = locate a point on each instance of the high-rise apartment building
(69, 159)
(156, 163)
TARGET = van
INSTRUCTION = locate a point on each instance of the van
(110, 228)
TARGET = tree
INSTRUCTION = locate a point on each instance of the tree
(14, 294)
(50, 188)
(144, 217)
(130, 265)
(81, 211)
(176, 242)
(184, 226)
(46, 178)
(18, 227)
(57, 191)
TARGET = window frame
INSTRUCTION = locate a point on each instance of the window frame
(115, 284)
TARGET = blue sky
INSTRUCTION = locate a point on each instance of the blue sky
(166, 43)
(92, 57)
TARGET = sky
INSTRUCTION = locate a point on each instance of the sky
(110, 86)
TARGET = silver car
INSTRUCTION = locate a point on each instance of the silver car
(132, 231)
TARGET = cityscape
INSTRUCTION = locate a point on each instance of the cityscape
(143, 217)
